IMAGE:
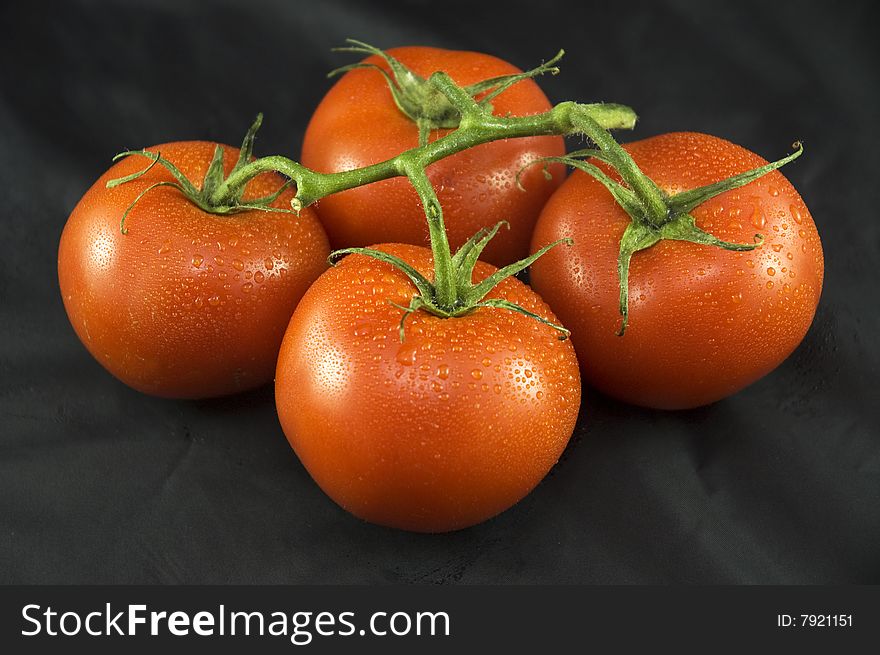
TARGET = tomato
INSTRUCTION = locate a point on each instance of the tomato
(442, 431)
(358, 124)
(703, 322)
(187, 304)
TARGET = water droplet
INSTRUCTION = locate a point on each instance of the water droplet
(773, 191)
(246, 287)
(769, 284)
(165, 249)
(777, 247)
(214, 300)
(443, 371)
(758, 219)
(771, 271)
(198, 301)
(736, 298)
(269, 264)
(197, 260)
(796, 214)
(237, 265)
(259, 277)
(476, 374)
(218, 261)
(362, 329)
(802, 233)
(406, 355)
(487, 361)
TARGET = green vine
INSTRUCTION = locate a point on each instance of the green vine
(439, 102)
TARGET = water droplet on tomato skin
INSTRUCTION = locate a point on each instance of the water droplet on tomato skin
(477, 374)
(214, 300)
(237, 265)
(259, 277)
(197, 260)
(758, 218)
(796, 214)
(406, 355)
(246, 287)
(443, 371)
(771, 271)
(198, 302)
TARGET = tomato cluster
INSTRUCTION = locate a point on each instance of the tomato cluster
(437, 420)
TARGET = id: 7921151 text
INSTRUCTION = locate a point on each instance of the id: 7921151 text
(814, 620)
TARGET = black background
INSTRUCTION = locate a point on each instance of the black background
(99, 484)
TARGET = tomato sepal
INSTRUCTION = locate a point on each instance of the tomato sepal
(654, 215)
(420, 100)
(468, 296)
(216, 195)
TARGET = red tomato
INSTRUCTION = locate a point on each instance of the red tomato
(188, 304)
(440, 432)
(704, 322)
(358, 123)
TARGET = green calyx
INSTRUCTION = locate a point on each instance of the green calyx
(466, 296)
(215, 195)
(421, 101)
(654, 215)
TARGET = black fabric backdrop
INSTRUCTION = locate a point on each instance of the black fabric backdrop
(99, 484)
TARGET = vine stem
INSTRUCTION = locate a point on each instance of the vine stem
(477, 127)
(654, 215)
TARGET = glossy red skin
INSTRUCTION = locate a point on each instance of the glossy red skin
(440, 432)
(358, 124)
(704, 322)
(187, 304)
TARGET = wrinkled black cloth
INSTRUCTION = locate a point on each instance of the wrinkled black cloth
(100, 484)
